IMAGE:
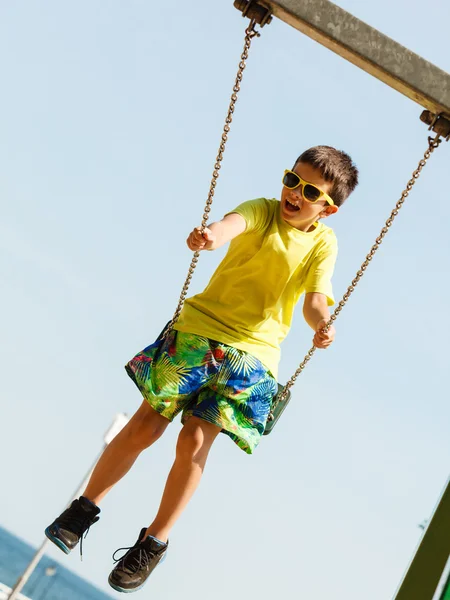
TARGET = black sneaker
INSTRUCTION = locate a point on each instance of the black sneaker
(133, 569)
(71, 525)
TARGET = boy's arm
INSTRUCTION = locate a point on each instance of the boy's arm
(217, 234)
(317, 315)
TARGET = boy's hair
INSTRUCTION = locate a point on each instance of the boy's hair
(336, 167)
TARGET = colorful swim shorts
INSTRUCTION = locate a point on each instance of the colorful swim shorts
(206, 379)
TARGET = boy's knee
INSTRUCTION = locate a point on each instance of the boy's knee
(196, 438)
(146, 427)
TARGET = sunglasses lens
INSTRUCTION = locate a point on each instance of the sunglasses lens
(290, 180)
(311, 193)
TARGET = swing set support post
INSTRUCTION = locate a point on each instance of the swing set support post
(423, 580)
(362, 45)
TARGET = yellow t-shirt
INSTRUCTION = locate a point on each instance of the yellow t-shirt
(250, 299)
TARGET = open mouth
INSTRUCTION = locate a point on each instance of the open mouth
(291, 207)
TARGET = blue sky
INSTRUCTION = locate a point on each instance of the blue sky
(111, 119)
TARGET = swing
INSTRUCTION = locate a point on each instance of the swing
(437, 123)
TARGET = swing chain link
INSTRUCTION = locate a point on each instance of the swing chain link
(433, 143)
(250, 33)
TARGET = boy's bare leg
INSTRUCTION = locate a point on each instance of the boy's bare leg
(142, 430)
(194, 443)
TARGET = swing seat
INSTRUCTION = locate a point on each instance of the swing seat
(277, 409)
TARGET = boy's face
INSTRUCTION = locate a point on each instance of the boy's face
(297, 211)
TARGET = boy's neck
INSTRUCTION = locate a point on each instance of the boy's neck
(306, 227)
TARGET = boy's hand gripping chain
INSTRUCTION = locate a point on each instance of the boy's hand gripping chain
(250, 33)
(442, 126)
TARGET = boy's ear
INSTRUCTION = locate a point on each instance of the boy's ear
(329, 210)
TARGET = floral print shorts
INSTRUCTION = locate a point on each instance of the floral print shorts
(201, 377)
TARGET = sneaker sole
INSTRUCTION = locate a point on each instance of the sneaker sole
(124, 590)
(136, 589)
(61, 545)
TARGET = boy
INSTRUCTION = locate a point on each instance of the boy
(219, 363)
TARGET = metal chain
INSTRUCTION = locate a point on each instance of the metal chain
(432, 144)
(250, 33)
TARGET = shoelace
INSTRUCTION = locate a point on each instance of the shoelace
(134, 559)
(80, 522)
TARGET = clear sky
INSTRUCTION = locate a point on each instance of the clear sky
(111, 114)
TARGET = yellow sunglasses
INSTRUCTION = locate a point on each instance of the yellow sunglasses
(310, 192)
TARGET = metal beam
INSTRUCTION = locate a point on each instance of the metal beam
(365, 47)
(425, 571)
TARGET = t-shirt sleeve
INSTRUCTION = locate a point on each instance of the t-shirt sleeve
(255, 213)
(318, 278)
